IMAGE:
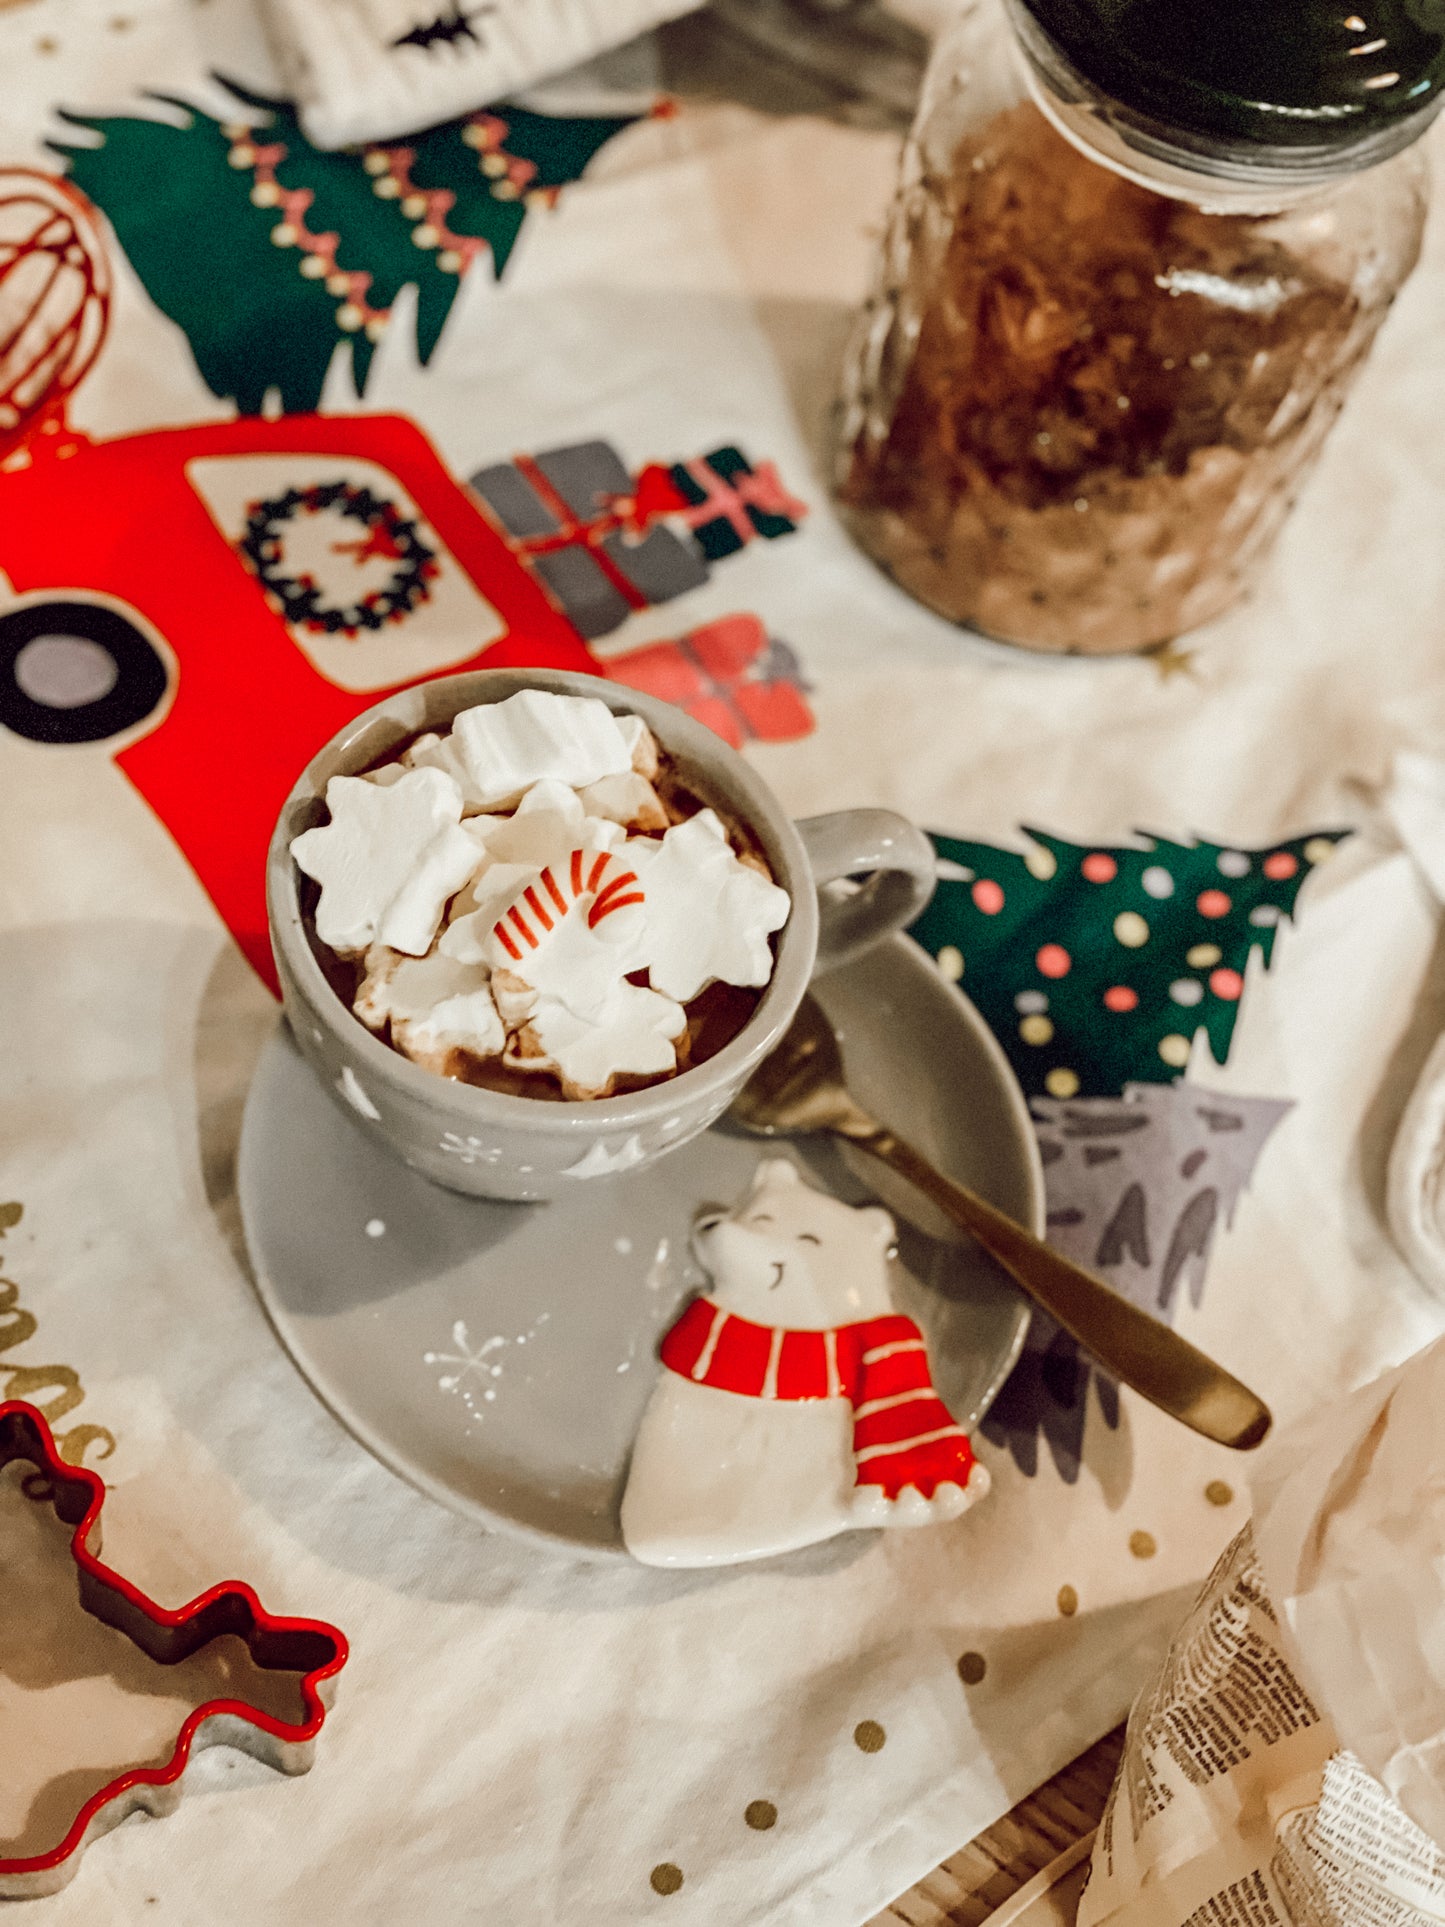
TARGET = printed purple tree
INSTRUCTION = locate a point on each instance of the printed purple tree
(1095, 968)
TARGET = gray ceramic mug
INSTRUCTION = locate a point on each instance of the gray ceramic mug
(493, 1145)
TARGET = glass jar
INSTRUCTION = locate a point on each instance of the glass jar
(1112, 326)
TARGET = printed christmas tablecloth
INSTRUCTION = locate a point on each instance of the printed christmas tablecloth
(613, 313)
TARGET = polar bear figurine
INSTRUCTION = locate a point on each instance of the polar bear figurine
(794, 1402)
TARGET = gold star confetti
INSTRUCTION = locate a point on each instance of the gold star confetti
(1170, 661)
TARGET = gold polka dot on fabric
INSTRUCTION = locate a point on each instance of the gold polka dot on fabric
(1202, 955)
(1131, 929)
(1174, 1049)
(1039, 862)
(1036, 1030)
(950, 962)
(1068, 1601)
(1062, 1082)
(1218, 1493)
(1142, 1545)
(869, 1737)
(971, 1668)
(760, 1815)
(1319, 849)
(665, 1878)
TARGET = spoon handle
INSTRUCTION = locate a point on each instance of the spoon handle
(1134, 1348)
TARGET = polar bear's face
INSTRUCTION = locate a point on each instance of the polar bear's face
(790, 1255)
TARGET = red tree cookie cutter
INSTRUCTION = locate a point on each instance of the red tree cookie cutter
(306, 1646)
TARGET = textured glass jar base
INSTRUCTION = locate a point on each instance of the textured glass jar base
(1078, 411)
(1034, 583)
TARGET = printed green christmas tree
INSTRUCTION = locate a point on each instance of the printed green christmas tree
(1094, 967)
(268, 251)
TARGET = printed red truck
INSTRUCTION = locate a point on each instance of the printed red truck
(113, 548)
(216, 600)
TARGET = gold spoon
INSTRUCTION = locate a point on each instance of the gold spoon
(800, 1088)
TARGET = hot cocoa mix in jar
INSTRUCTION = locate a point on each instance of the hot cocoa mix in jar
(1112, 328)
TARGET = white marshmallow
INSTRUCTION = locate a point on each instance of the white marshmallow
(504, 748)
(388, 774)
(489, 894)
(565, 959)
(629, 800)
(435, 1006)
(388, 861)
(515, 1000)
(634, 1036)
(440, 752)
(548, 825)
(709, 916)
(641, 746)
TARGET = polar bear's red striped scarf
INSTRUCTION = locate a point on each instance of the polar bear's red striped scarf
(903, 1433)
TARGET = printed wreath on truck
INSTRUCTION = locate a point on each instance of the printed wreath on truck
(388, 536)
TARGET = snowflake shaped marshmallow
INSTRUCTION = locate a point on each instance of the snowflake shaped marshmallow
(633, 1035)
(548, 824)
(388, 861)
(497, 751)
(709, 915)
(435, 1006)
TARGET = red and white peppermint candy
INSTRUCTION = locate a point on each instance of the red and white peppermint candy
(594, 878)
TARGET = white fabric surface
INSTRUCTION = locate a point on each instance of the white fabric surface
(357, 75)
(517, 1739)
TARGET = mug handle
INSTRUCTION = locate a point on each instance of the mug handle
(845, 843)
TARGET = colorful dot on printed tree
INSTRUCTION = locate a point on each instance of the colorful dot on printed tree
(1319, 849)
(1068, 1602)
(1143, 1545)
(1200, 956)
(1264, 916)
(972, 1668)
(665, 1878)
(1053, 960)
(1039, 862)
(1233, 863)
(1174, 1049)
(1131, 929)
(1062, 1082)
(1036, 1030)
(1187, 991)
(1226, 984)
(1280, 864)
(1212, 903)
(1120, 997)
(1157, 881)
(869, 1737)
(1031, 1003)
(987, 896)
(950, 962)
(1099, 867)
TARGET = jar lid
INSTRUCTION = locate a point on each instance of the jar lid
(1336, 83)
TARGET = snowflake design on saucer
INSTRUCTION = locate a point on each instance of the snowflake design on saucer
(328, 578)
(470, 1362)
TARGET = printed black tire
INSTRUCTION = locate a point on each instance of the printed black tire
(135, 692)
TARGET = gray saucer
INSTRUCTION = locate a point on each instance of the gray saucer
(499, 1355)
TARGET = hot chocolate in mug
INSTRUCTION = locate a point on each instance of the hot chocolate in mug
(494, 1144)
